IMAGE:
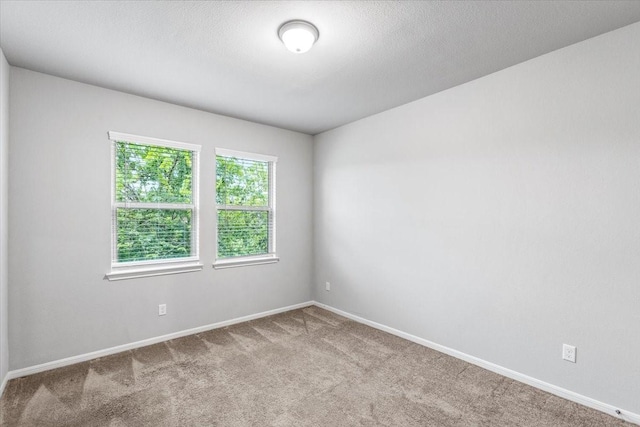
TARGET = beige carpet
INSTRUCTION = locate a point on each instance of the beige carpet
(306, 367)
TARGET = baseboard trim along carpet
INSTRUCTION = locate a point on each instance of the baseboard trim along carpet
(143, 343)
(3, 384)
(550, 388)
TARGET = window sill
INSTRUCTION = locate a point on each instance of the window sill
(241, 262)
(134, 273)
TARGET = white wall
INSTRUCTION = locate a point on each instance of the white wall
(500, 218)
(59, 246)
(4, 235)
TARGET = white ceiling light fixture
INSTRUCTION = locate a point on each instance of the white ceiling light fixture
(298, 36)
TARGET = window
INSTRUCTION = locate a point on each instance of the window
(154, 206)
(245, 200)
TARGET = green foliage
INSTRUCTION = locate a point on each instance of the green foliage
(149, 234)
(242, 183)
(242, 233)
(150, 174)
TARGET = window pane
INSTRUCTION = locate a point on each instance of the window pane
(152, 174)
(149, 234)
(242, 182)
(242, 233)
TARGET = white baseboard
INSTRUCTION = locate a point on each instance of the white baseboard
(108, 351)
(550, 388)
(3, 384)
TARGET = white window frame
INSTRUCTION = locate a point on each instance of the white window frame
(134, 269)
(271, 256)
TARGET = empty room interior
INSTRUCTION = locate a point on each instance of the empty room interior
(320, 213)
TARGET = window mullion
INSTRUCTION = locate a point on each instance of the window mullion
(272, 208)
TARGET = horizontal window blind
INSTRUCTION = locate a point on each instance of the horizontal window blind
(245, 199)
(153, 234)
(154, 203)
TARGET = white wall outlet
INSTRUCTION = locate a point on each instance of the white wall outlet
(569, 352)
(327, 286)
(162, 309)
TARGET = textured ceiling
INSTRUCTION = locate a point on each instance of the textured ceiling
(225, 57)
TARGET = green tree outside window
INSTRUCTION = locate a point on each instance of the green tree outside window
(245, 213)
(154, 203)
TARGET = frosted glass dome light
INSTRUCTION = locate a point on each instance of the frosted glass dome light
(298, 36)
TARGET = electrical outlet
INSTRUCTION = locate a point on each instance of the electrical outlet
(162, 309)
(327, 286)
(569, 353)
